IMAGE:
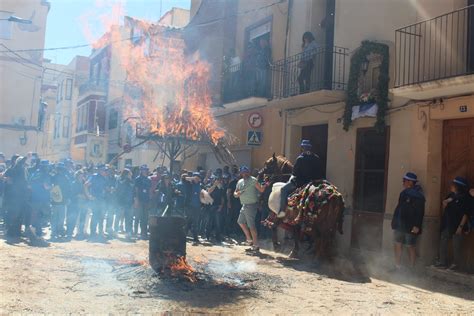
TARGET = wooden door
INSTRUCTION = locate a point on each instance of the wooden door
(318, 136)
(369, 188)
(458, 160)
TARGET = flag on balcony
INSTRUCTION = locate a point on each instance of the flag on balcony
(365, 110)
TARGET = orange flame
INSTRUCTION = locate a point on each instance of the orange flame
(166, 90)
(180, 267)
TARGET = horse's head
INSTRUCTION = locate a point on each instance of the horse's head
(271, 166)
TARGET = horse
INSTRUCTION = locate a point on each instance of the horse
(279, 168)
(329, 220)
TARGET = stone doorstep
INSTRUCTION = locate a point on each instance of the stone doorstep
(451, 276)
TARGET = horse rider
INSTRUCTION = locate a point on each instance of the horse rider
(307, 168)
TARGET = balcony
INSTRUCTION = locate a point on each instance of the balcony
(315, 70)
(93, 87)
(435, 57)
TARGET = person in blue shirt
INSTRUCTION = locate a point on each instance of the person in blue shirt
(408, 218)
(125, 201)
(40, 182)
(194, 208)
(142, 196)
(96, 187)
(60, 195)
(181, 194)
(77, 208)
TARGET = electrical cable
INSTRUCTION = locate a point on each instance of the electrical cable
(142, 36)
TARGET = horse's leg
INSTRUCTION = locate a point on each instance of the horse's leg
(296, 237)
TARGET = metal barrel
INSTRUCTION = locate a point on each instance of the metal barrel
(167, 240)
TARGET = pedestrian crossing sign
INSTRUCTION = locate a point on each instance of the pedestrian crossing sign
(254, 138)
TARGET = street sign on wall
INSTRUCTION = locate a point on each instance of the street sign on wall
(254, 138)
(255, 120)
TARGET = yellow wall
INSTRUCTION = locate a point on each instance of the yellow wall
(236, 125)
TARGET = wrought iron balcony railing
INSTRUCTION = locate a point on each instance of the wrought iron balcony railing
(93, 86)
(438, 48)
(318, 69)
(322, 68)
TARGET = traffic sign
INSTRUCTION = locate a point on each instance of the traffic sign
(254, 138)
(255, 120)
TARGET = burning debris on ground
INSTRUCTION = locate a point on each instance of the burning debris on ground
(212, 275)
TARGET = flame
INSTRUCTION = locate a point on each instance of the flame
(167, 91)
(180, 267)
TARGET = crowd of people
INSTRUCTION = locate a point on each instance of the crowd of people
(100, 201)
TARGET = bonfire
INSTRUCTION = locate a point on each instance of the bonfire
(166, 92)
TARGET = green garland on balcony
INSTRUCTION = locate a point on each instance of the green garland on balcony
(366, 48)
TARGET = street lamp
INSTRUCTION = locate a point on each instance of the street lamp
(16, 19)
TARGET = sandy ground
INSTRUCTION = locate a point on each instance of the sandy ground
(86, 277)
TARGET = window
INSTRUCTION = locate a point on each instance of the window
(57, 124)
(82, 117)
(61, 90)
(137, 34)
(371, 170)
(68, 92)
(128, 162)
(5, 26)
(66, 123)
(113, 119)
(78, 119)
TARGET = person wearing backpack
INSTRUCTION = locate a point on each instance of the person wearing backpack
(60, 193)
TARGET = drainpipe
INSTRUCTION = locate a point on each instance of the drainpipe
(288, 16)
(285, 127)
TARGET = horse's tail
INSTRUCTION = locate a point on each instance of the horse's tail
(330, 219)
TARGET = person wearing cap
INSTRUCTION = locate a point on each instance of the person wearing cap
(182, 193)
(233, 205)
(60, 195)
(247, 190)
(125, 192)
(142, 196)
(95, 190)
(165, 190)
(408, 218)
(77, 209)
(215, 214)
(40, 183)
(16, 191)
(456, 206)
(307, 168)
(194, 209)
(111, 209)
